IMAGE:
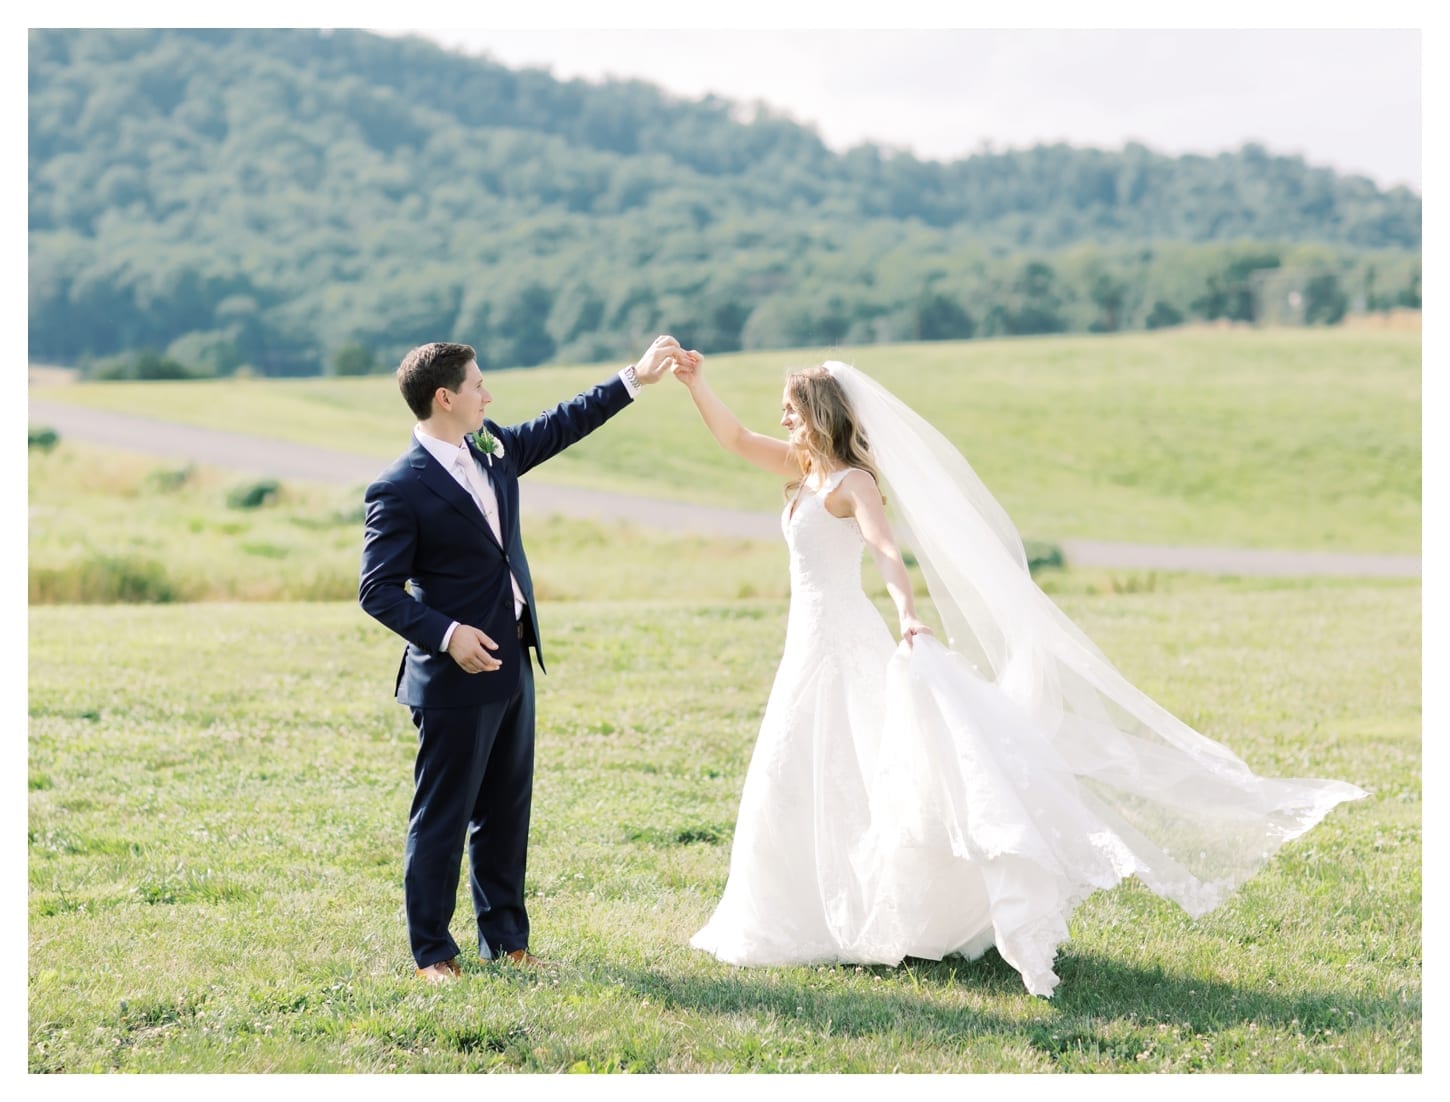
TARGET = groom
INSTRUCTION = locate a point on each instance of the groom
(443, 566)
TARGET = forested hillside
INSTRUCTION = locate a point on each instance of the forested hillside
(294, 202)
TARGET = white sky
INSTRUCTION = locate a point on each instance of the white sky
(1349, 99)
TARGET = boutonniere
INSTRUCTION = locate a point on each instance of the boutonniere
(490, 445)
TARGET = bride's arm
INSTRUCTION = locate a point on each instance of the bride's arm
(765, 452)
(859, 496)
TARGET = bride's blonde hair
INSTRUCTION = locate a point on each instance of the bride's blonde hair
(831, 436)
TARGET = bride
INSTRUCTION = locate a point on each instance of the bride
(910, 798)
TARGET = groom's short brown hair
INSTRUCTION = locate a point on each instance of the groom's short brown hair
(428, 367)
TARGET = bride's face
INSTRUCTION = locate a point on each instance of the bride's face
(790, 418)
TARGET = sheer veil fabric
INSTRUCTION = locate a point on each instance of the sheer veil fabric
(1019, 749)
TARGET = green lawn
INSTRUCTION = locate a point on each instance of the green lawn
(217, 802)
(217, 811)
(1294, 438)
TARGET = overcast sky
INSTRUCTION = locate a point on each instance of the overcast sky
(1349, 99)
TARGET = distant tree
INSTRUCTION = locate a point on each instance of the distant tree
(935, 316)
(725, 319)
(718, 312)
(1230, 291)
(1410, 295)
(577, 309)
(633, 311)
(523, 330)
(1035, 302)
(147, 364)
(355, 359)
(783, 323)
(1163, 315)
(1325, 302)
(1108, 293)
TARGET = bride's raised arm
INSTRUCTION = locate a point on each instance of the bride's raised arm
(765, 452)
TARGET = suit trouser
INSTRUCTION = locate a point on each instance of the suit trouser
(473, 778)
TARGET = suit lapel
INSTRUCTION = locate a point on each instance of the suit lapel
(432, 474)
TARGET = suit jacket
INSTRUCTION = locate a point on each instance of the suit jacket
(429, 556)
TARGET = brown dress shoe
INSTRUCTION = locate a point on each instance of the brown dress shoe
(441, 972)
(525, 959)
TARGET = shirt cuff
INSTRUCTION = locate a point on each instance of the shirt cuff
(631, 381)
(447, 635)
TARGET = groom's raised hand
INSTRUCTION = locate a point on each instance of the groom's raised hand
(469, 647)
(651, 367)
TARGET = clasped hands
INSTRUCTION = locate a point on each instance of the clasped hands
(665, 354)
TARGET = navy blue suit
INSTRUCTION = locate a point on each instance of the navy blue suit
(473, 775)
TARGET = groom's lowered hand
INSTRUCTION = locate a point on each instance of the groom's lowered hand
(469, 647)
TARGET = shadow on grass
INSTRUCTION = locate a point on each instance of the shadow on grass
(1102, 987)
(1104, 1013)
(841, 999)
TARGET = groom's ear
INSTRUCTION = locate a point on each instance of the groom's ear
(442, 398)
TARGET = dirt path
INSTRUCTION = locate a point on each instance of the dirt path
(283, 460)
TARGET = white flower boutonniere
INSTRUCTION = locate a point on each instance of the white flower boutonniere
(490, 445)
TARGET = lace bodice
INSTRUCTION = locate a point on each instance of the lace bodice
(825, 550)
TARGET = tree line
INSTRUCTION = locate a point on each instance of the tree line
(294, 202)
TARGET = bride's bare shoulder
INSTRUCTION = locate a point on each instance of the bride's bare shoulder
(850, 484)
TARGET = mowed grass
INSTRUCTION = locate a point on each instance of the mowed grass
(217, 812)
(1303, 439)
(217, 808)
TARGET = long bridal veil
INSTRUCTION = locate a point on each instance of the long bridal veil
(1178, 810)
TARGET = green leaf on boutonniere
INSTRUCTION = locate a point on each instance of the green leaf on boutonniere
(488, 444)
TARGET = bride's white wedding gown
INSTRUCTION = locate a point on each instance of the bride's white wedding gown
(900, 804)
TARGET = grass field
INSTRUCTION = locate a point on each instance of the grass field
(216, 832)
(1295, 438)
(218, 791)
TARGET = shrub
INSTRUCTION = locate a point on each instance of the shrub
(170, 479)
(44, 439)
(253, 495)
(1043, 556)
(1164, 315)
(102, 579)
(210, 352)
(143, 365)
